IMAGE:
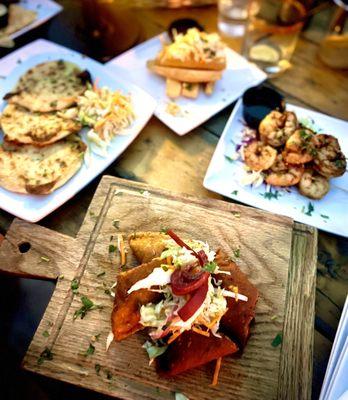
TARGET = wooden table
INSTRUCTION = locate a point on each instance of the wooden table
(161, 158)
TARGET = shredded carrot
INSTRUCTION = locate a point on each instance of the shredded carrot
(213, 322)
(216, 372)
(121, 249)
(174, 336)
(95, 84)
(200, 331)
(169, 260)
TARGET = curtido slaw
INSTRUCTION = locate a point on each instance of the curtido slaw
(108, 113)
(166, 318)
(200, 46)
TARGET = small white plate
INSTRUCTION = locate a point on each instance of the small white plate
(239, 76)
(223, 177)
(33, 208)
(45, 9)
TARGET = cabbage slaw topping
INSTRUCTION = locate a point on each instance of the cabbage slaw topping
(163, 317)
(108, 113)
(200, 46)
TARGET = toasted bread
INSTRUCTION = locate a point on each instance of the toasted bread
(194, 50)
(183, 74)
(217, 64)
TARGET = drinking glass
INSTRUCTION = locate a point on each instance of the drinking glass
(272, 33)
(232, 16)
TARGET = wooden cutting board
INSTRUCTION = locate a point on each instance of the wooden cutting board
(278, 255)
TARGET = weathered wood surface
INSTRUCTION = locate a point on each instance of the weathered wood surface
(282, 279)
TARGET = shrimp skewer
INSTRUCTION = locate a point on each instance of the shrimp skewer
(277, 127)
(313, 185)
(283, 174)
(299, 148)
(259, 157)
(329, 160)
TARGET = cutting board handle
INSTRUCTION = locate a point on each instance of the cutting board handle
(32, 251)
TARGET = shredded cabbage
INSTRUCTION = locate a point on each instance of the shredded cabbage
(107, 113)
(182, 256)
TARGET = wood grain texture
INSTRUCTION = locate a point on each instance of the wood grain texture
(42, 253)
(300, 292)
(265, 243)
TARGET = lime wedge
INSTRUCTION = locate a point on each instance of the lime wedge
(264, 52)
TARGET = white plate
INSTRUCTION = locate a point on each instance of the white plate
(33, 208)
(45, 9)
(239, 76)
(223, 177)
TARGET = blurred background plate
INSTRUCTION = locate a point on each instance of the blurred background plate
(239, 76)
(45, 9)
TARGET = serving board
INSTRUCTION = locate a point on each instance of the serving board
(278, 256)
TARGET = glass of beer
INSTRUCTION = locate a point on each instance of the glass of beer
(272, 33)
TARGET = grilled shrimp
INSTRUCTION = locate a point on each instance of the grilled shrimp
(277, 127)
(313, 185)
(258, 156)
(283, 174)
(299, 148)
(329, 160)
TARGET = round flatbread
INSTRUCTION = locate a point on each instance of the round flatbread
(21, 126)
(49, 86)
(29, 169)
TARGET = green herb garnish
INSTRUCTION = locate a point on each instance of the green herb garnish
(74, 285)
(310, 209)
(44, 258)
(164, 267)
(235, 192)
(90, 350)
(210, 267)
(116, 224)
(97, 368)
(45, 355)
(277, 340)
(236, 253)
(108, 375)
(230, 159)
(101, 274)
(112, 248)
(271, 195)
(45, 334)
(164, 230)
(87, 305)
(324, 216)
(339, 163)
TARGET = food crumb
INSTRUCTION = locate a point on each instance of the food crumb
(173, 109)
